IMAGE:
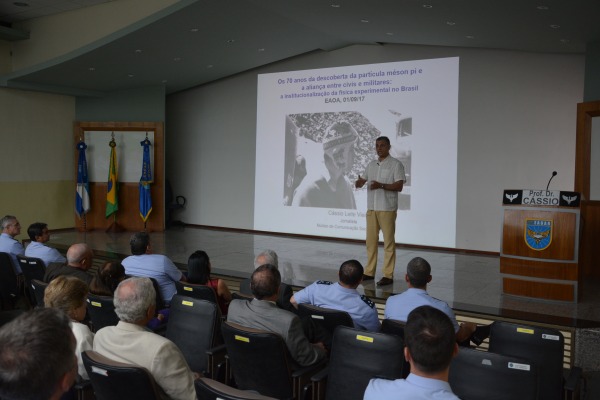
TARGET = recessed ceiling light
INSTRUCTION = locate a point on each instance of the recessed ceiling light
(390, 33)
(91, 69)
(564, 40)
(194, 30)
(554, 26)
(335, 6)
(427, 6)
(542, 7)
(230, 40)
(164, 81)
(20, 4)
(364, 21)
(130, 75)
(177, 59)
(209, 66)
(470, 37)
(261, 49)
(450, 23)
(138, 51)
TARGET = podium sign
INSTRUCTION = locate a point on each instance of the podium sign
(540, 241)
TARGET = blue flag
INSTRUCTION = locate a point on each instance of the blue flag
(82, 195)
(145, 181)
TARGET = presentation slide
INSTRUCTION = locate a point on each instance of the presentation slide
(315, 135)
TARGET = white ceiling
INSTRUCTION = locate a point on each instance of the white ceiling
(211, 39)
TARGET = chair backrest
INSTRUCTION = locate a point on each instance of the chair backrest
(361, 355)
(194, 326)
(33, 268)
(480, 375)
(327, 318)
(9, 287)
(196, 291)
(393, 327)
(209, 389)
(259, 361)
(102, 311)
(38, 288)
(113, 380)
(543, 346)
(160, 302)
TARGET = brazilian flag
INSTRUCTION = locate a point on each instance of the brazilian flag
(112, 200)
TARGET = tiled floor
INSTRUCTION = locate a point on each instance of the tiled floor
(467, 282)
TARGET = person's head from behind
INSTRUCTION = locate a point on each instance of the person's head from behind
(198, 268)
(38, 232)
(139, 243)
(351, 273)
(266, 257)
(418, 272)
(430, 340)
(135, 301)
(68, 294)
(37, 356)
(107, 278)
(265, 281)
(80, 255)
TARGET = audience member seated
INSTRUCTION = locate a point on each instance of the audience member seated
(105, 282)
(69, 295)
(198, 272)
(285, 291)
(130, 342)
(262, 313)
(39, 234)
(79, 260)
(143, 263)
(8, 244)
(37, 356)
(343, 296)
(418, 275)
(429, 347)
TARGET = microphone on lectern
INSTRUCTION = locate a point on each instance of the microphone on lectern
(554, 173)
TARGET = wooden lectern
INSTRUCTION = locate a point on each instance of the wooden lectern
(540, 244)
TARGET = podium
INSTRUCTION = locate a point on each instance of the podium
(539, 256)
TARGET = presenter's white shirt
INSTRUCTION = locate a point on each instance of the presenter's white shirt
(389, 170)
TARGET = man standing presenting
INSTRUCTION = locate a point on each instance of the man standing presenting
(385, 177)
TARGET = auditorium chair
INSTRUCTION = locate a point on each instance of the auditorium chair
(9, 283)
(356, 357)
(396, 327)
(32, 268)
(196, 291)
(38, 288)
(545, 348)
(480, 375)
(327, 318)
(101, 311)
(194, 326)
(209, 389)
(260, 361)
(113, 380)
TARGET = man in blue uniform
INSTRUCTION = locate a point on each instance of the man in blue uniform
(8, 244)
(430, 346)
(343, 296)
(39, 234)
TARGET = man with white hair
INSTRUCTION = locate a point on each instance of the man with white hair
(79, 260)
(8, 244)
(130, 342)
(285, 291)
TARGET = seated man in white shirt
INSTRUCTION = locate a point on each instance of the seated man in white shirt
(130, 342)
(8, 244)
(39, 234)
(143, 263)
(430, 347)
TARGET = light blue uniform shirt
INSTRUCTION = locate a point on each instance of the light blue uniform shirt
(46, 254)
(11, 246)
(414, 387)
(155, 266)
(332, 295)
(400, 305)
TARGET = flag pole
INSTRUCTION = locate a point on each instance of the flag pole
(112, 188)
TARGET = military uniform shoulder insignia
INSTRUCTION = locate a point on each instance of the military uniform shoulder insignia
(367, 300)
(324, 283)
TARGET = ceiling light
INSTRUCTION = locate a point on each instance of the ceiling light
(390, 33)
(91, 69)
(231, 41)
(564, 40)
(209, 66)
(130, 75)
(335, 6)
(470, 37)
(138, 51)
(364, 20)
(542, 7)
(164, 81)
(450, 23)
(554, 26)
(261, 49)
(194, 30)
(177, 59)
(427, 6)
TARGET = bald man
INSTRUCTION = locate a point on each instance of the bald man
(79, 259)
